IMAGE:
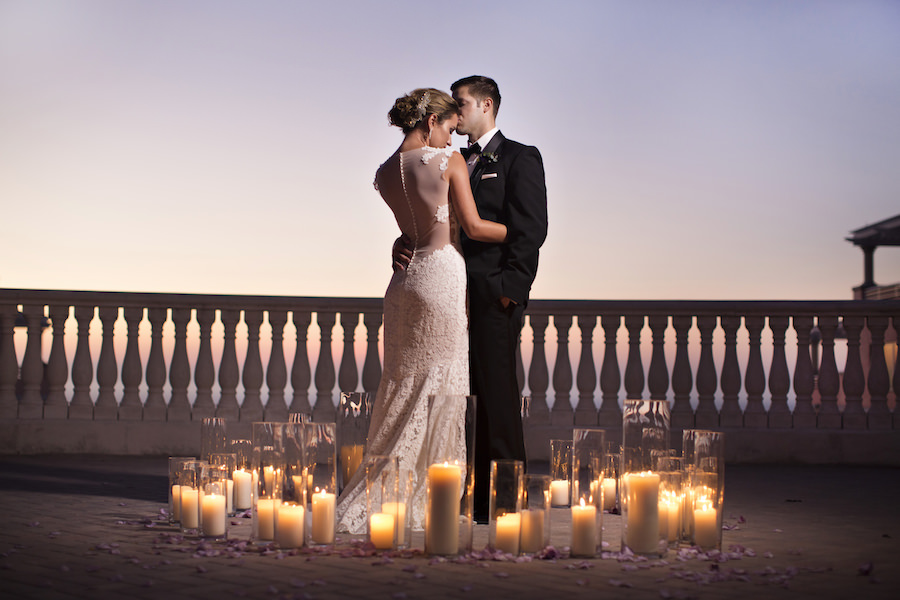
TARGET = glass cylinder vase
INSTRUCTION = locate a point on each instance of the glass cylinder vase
(353, 415)
(190, 481)
(706, 494)
(505, 504)
(228, 460)
(612, 458)
(214, 503)
(587, 500)
(176, 465)
(560, 472)
(535, 520)
(242, 475)
(321, 449)
(213, 437)
(383, 510)
(268, 467)
(290, 522)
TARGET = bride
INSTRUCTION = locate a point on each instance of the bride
(426, 346)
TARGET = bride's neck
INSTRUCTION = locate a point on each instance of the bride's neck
(414, 139)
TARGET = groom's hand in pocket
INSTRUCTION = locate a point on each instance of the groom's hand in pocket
(402, 253)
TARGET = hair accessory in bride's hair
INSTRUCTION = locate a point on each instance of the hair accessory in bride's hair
(422, 107)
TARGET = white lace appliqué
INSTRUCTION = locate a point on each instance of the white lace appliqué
(442, 213)
(432, 152)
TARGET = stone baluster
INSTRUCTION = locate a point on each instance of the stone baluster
(538, 374)
(107, 408)
(610, 414)
(562, 413)
(634, 368)
(520, 366)
(131, 409)
(229, 373)
(56, 406)
(9, 363)
(731, 414)
(854, 380)
(658, 371)
(878, 417)
(371, 375)
(829, 416)
(180, 369)
(682, 377)
(31, 405)
(82, 405)
(779, 377)
(804, 414)
(276, 372)
(324, 410)
(300, 372)
(706, 416)
(586, 376)
(755, 414)
(155, 406)
(204, 368)
(252, 376)
(348, 374)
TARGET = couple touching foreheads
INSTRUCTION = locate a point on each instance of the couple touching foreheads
(471, 229)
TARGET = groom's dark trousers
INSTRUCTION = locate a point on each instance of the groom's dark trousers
(508, 184)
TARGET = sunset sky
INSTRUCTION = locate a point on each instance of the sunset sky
(693, 149)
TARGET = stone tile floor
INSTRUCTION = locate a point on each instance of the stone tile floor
(88, 527)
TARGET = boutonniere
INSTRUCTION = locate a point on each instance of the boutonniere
(488, 158)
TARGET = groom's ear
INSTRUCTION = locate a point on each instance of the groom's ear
(488, 105)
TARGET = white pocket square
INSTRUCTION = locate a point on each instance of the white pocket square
(488, 175)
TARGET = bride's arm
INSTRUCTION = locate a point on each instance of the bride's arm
(464, 203)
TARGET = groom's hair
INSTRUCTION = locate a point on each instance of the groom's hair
(480, 87)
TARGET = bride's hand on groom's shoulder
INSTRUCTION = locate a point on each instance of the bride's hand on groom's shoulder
(401, 253)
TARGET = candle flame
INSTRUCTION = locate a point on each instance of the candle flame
(582, 502)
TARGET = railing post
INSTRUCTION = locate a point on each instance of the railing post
(155, 406)
(779, 378)
(131, 409)
(325, 378)
(180, 369)
(804, 415)
(658, 372)
(634, 368)
(538, 375)
(204, 369)
(731, 414)
(706, 416)
(755, 414)
(31, 405)
(371, 376)
(56, 406)
(682, 378)
(107, 408)
(9, 363)
(82, 406)
(229, 375)
(610, 414)
(829, 416)
(562, 413)
(276, 372)
(300, 372)
(252, 376)
(586, 377)
(878, 417)
(854, 382)
(348, 374)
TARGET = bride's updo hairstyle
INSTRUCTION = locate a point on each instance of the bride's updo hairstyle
(413, 108)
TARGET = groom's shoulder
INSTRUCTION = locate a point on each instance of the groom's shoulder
(513, 147)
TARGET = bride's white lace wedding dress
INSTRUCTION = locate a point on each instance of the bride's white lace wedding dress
(426, 345)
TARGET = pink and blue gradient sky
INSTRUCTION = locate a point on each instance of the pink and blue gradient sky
(694, 149)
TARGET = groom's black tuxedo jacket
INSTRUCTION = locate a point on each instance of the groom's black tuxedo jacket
(508, 184)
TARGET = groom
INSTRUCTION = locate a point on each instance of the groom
(508, 183)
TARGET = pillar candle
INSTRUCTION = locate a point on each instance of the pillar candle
(190, 508)
(229, 496)
(642, 533)
(706, 531)
(176, 502)
(442, 518)
(398, 509)
(289, 525)
(243, 489)
(213, 514)
(532, 530)
(322, 517)
(506, 538)
(381, 530)
(609, 493)
(559, 492)
(584, 530)
(265, 518)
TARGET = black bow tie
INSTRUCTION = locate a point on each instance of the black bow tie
(473, 149)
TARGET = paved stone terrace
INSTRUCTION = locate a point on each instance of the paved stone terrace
(88, 527)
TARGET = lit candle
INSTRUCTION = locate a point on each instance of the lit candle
(532, 539)
(642, 533)
(190, 508)
(609, 493)
(506, 538)
(269, 473)
(265, 518)
(398, 509)
(289, 525)
(351, 459)
(706, 530)
(243, 489)
(229, 496)
(584, 529)
(381, 530)
(213, 515)
(322, 517)
(442, 518)
(559, 492)
(176, 502)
